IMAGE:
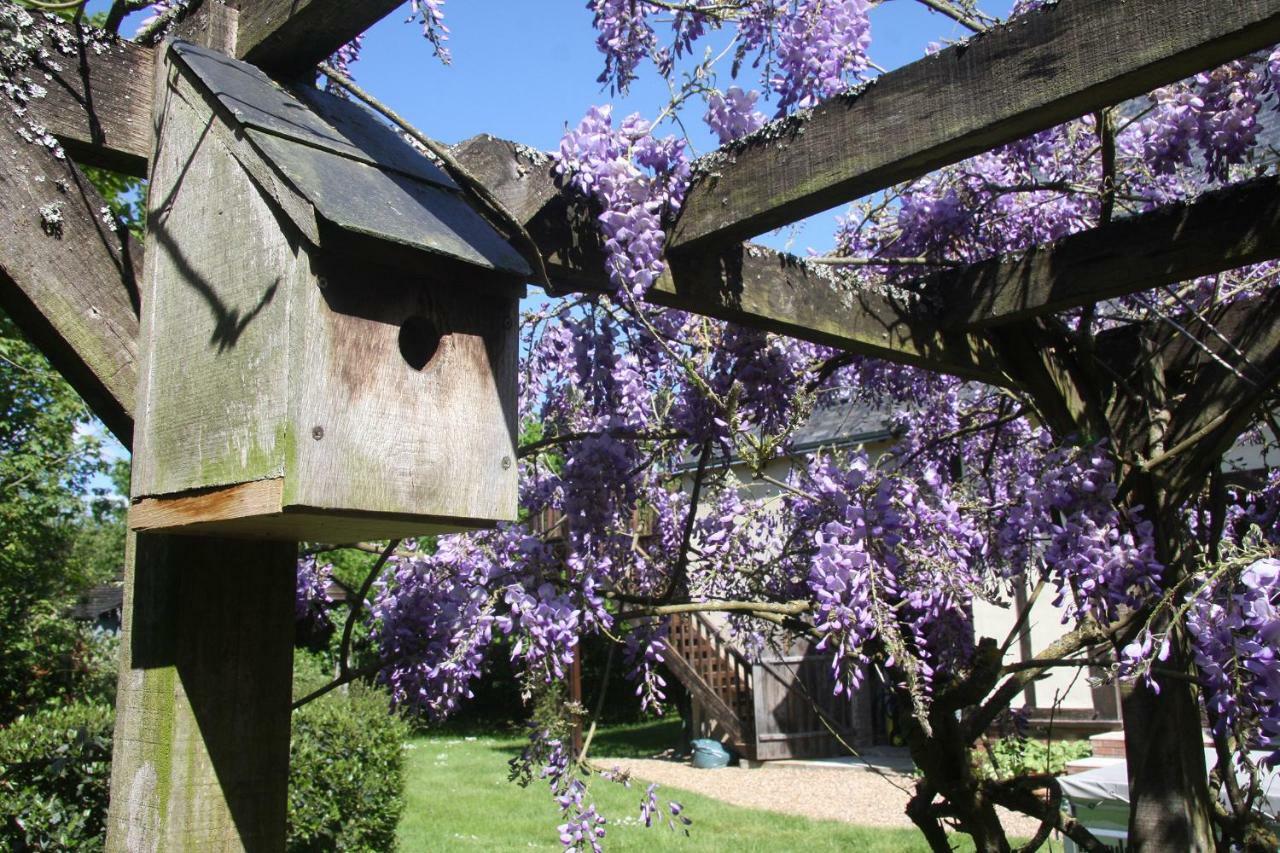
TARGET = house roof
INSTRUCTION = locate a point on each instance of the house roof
(355, 171)
(834, 423)
(98, 600)
(841, 423)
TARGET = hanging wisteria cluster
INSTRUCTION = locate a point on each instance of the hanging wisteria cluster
(645, 428)
(1236, 626)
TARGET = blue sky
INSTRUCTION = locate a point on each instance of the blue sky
(524, 69)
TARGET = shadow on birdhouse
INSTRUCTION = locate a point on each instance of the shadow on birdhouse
(329, 328)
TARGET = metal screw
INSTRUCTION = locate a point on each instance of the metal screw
(317, 433)
(506, 462)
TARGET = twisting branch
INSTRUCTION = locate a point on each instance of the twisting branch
(152, 32)
(346, 674)
(682, 559)
(119, 9)
(787, 608)
(472, 184)
(346, 678)
(1015, 794)
(569, 437)
(344, 652)
(1022, 619)
(595, 718)
(969, 23)
(1088, 634)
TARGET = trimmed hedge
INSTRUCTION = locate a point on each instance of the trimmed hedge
(346, 776)
(346, 773)
(55, 767)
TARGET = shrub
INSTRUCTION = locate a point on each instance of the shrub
(55, 767)
(346, 773)
(346, 776)
(1021, 756)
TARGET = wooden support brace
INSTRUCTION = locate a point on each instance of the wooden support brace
(288, 38)
(99, 101)
(68, 278)
(1221, 230)
(1059, 62)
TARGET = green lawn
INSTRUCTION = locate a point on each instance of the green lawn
(459, 798)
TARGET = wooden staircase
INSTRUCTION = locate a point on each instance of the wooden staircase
(718, 678)
(781, 706)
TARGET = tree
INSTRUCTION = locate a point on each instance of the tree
(51, 544)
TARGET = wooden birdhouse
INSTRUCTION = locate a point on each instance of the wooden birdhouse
(328, 326)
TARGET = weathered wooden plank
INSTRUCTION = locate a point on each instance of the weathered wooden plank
(287, 38)
(1218, 231)
(1043, 68)
(751, 285)
(257, 510)
(229, 294)
(427, 439)
(721, 713)
(98, 104)
(563, 226)
(71, 286)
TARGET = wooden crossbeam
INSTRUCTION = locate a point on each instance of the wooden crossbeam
(99, 103)
(1221, 230)
(756, 286)
(1039, 70)
(752, 285)
(70, 285)
(99, 106)
(287, 38)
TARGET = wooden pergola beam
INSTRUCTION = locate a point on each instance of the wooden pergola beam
(1221, 230)
(1044, 68)
(99, 103)
(748, 284)
(99, 106)
(755, 286)
(286, 38)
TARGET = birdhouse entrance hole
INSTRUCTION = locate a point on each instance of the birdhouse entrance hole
(419, 340)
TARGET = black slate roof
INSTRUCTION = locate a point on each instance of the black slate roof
(357, 172)
(839, 423)
(98, 600)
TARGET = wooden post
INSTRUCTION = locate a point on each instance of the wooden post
(201, 755)
(201, 752)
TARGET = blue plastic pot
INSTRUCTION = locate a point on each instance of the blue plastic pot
(709, 754)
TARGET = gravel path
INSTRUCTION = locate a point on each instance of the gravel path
(849, 795)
